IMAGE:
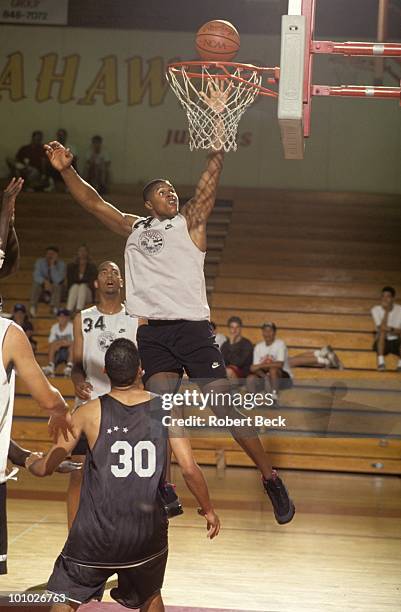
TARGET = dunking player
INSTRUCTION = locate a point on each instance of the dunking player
(16, 353)
(164, 260)
(94, 330)
(121, 526)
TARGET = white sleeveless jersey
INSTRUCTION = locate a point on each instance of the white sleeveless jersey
(7, 386)
(99, 331)
(164, 271)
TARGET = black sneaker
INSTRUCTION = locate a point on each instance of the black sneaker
(283, 506)
(172, 504)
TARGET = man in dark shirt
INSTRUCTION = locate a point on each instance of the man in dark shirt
(31, 163)
(237, 351)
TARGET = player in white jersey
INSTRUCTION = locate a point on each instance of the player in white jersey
(16, 354)
(164, 258)
(95, 329)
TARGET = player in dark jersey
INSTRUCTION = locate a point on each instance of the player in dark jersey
(121, 525)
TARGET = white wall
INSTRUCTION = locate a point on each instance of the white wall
(355, 144)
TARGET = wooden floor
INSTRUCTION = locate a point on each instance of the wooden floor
(341, 553)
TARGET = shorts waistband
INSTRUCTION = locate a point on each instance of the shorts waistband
(161, 322)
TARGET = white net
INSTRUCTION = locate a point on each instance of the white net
(214, 125)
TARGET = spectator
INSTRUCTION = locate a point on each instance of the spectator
(31, 164)
(81, 275)
(220, 338)
(55, 177)
(237, 351)
(270, 366)
(48, 279)
(21, 317)
(387, 320)
(60, 344)
(97, 166)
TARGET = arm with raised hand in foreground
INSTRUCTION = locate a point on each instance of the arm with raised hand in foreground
(61, 159)
(195, 482)
(9, 246)
(17, 350)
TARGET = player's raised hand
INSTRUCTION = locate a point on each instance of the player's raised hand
(12, 190)
(59, 157)
(212, 521)
(60, 423)
(83, 390)
(217, 94)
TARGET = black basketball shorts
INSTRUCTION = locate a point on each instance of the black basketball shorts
(136, 584)
(391, 347)
(3, 528)
(178, 346)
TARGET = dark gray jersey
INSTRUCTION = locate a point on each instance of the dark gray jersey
(121, 520)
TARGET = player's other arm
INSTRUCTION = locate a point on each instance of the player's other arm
(199, 208)
(87, 197)
(45, 466)
(196, 482)
(9, 246)
(17, 350)
(78, 375)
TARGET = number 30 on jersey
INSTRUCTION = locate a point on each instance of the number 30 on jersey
(132, 459)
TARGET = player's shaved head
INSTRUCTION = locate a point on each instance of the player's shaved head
(105, 264)
(151, 186)
(122, 363)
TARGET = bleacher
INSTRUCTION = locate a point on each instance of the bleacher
(312, 262)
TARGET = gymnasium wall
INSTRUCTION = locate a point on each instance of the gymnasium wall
(112, 83)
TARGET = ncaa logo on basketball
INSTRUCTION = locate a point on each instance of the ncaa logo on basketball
(151, 242)
(105, 340)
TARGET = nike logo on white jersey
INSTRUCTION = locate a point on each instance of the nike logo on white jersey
(215, 365)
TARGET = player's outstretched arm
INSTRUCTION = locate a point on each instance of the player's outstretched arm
(199, 208)
(17, 350)
(196, 483)
(82, 387)
(9, 246)
(61, 159)
(19, 456)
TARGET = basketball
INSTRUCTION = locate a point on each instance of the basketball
(217, 40)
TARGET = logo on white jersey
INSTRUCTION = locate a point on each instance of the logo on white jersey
(151, 242)
(215, 365)
(105, 340)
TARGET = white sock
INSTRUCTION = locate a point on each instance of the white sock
(399, 363)
(380, 360)
(320, 359)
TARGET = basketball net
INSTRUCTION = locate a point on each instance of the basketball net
(211, 127)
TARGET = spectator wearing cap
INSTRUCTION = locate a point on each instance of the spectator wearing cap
(387, 320)
(220, 338)
(237, 351)
(270, 368)
(48, 280)
(21, 318)
(60, 344)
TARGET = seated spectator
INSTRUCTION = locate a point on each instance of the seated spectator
(60, 344)
(270, 369)
(387, 320)
(31, 164)
(21, 317)
(55, 181)
(81, 275)
(237, 351)
(220, 338)
(97, 166)
(48, 280)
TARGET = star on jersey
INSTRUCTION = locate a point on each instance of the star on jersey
(109, 431)
(115, 428)
(125, 429)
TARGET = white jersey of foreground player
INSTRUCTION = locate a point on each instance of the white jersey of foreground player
(7, 387)
(99, 330)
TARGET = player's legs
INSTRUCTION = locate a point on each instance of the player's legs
(74, 490)
(154, 604)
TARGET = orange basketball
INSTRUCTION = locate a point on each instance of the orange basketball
(217, 40)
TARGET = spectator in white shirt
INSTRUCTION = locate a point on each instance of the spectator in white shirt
(270, 369)
(220, 338)
(60, 344)
(387, 320)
